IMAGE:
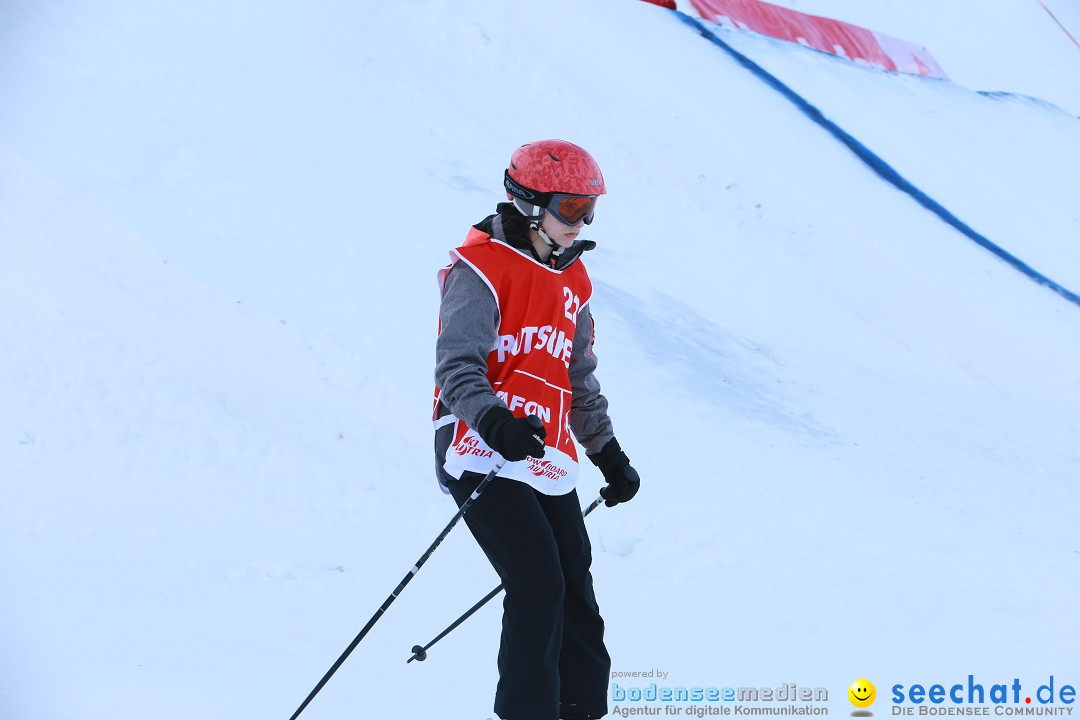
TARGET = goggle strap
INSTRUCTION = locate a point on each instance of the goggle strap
(527, 209)
(527, 196)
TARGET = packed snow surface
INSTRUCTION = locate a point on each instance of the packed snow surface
(220, 224)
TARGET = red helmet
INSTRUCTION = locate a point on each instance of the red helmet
(540, 170)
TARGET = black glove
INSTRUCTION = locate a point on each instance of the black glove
(622, 480)
(512, 437)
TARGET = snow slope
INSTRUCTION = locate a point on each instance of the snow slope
(220, 226)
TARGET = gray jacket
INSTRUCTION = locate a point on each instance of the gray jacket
(469, 316)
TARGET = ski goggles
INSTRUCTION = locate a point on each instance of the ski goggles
(572, 209)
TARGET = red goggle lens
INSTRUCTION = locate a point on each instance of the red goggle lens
(572, 209)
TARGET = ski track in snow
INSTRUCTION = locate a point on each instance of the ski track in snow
(857, 432)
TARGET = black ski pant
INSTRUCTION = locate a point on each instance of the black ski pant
(552, 659)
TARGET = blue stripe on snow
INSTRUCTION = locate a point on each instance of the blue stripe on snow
(882, 168)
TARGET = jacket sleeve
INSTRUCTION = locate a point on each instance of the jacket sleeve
(589, 408)
(470, 321)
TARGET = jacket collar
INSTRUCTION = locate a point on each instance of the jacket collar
(511, 227)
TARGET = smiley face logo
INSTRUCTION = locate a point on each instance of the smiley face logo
(862, 693)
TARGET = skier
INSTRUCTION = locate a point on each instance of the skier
(515, 344)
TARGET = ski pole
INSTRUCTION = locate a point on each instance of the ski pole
(420, 653)
(401, 586)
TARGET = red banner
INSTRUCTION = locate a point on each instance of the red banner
(832, 36)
